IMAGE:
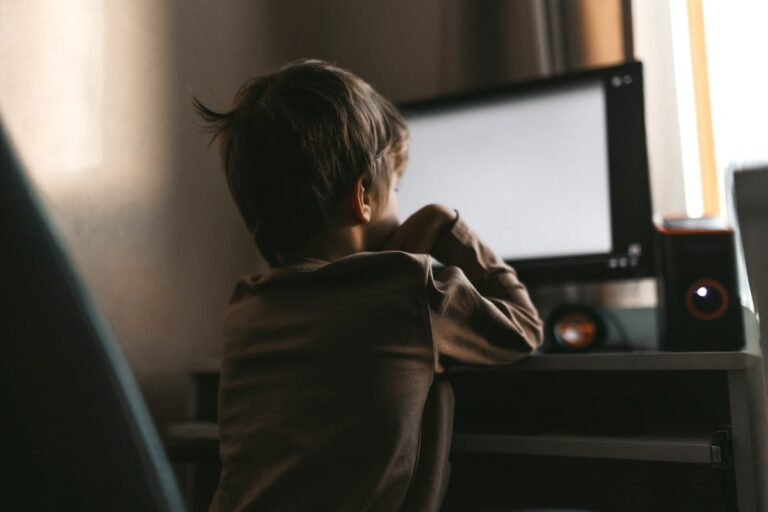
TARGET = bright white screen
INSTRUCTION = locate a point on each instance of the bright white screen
(529, 175)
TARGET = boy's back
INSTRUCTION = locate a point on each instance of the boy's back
(332, 396)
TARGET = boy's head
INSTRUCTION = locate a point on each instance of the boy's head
(298, 144)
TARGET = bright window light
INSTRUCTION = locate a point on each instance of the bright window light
(686, 109)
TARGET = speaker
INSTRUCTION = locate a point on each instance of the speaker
(574, 328)
(699, 305)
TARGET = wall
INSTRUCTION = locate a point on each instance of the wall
(96, 95)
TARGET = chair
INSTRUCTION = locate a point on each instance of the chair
(750, 201)
(76, 433)
(750, 193)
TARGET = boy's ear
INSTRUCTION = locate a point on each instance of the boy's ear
(361, 201)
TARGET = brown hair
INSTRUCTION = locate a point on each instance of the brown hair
(296, 141)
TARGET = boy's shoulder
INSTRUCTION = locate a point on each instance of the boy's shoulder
(383, 262)
(364, 265)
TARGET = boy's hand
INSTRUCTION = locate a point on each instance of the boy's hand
(421, 231)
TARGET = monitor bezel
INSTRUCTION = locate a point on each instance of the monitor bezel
(632, 252)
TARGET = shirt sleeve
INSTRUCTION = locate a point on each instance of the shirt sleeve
(479, 311)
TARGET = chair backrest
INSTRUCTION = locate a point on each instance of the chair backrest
(74, 429)
(750, 194)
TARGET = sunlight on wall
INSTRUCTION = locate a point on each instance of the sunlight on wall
(95, 94)
(51, 87)
(77, 77)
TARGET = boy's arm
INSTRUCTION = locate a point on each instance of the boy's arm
(480, 312)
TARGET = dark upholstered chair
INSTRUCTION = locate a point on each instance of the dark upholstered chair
(76, 434)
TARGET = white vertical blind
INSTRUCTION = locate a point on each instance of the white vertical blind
(737, 47)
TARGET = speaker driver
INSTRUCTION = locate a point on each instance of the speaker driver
(707, 299)
(575, 328)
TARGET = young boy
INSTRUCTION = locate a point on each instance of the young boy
(332, 396)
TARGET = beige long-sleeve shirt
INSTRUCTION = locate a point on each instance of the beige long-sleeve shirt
(332, 394)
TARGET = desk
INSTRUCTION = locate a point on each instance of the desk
(545, 417)
(634, 415)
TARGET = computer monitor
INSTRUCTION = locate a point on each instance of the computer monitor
(552, 174)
